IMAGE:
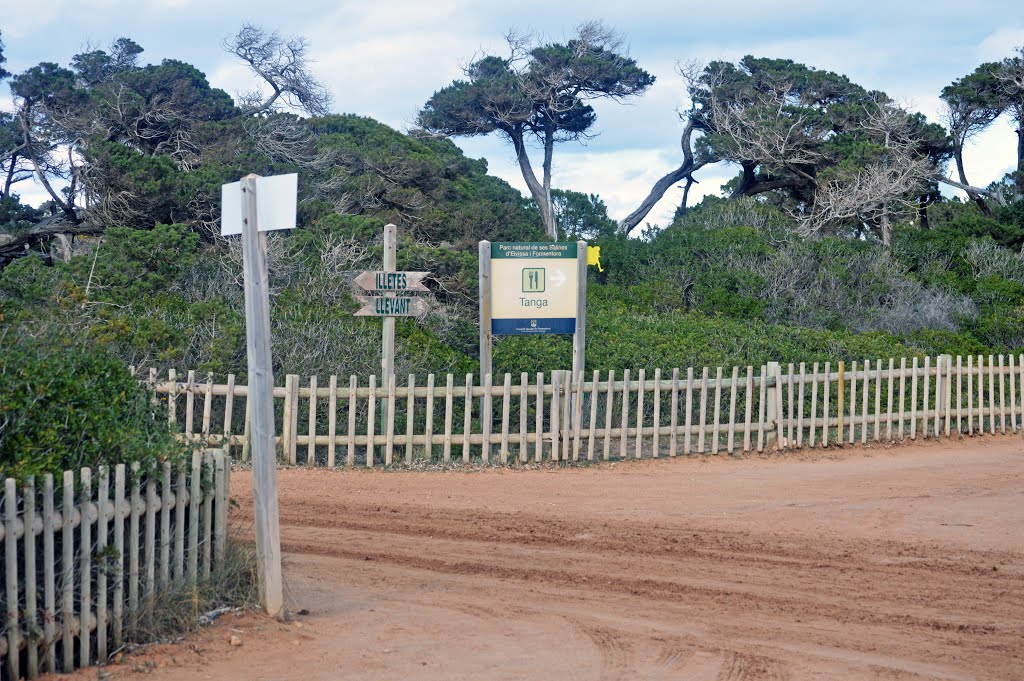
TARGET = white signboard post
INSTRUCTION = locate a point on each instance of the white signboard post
(250, 208)
(533, 288)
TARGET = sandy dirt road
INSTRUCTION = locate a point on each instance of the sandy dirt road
(900, 563)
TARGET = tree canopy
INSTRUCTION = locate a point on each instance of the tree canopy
(539, 93)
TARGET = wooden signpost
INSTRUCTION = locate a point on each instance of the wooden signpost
(389, 283)
(251, 207)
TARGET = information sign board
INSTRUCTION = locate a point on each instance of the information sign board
(534, 288)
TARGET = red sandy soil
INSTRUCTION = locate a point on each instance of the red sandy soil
(902, 563)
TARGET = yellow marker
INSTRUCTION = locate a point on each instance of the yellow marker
(594, 257)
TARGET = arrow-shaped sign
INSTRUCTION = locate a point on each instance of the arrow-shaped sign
(392, 281)
(558, 278)
(384, 306)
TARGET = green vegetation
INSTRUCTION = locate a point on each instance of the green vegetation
(66, 405)
(761, 273)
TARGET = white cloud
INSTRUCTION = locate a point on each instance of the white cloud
(1001, 44)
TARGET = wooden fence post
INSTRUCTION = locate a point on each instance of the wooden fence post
(774, 406)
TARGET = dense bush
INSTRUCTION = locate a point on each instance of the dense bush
(65, 405)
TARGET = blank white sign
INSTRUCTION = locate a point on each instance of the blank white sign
(275, 204)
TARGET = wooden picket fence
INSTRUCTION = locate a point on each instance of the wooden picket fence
(80, 561)
(550, 417)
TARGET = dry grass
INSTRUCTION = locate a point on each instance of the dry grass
(178, 608)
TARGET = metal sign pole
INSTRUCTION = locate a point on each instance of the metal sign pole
(261, 402)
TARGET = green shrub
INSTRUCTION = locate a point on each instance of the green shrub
(65, 405)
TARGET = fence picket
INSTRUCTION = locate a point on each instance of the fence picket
(673, 438)
(428, 429)
(165, 524)
(207, 405)
(311, 445)
(718, 410)
(179, 524)
(85, 567)
(878, 400)
(865, 388)
(31, 594)
(389, 427)
(814, 407)
(1013, 395)
(566, 432)
(761, 408)
(790, 421)
(1020, 385)
(749, 408)
(67, 565)
(853, 404)
(172, 399)
(229, 406)
(207, 473)
(577, 416)
(800, 406)
(689, 410)
(594, 397)
(506, 407)
(657, 413)
(703, 411)
(889, 400)
(556, 414)
(222, 467)
(486, 418)
(948, 383)
(332, 423)
(623, 440)
(608, 411)
(991, 395)
(925, 396)
(350, 453)
(731, 441)
(190, 405)
(11, 572)
(524, 415)
(193, 518)
(970, 394)
(468, 418)
(49, 581)
(410, 418)
(539, 416)
(117, 607)
(826, 416)
(449, 405)
(913, 399)
(371, 419)
(149, 555)
(641, 389)
(102, 508)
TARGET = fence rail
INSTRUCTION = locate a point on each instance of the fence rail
(551, 417)
(75, 572)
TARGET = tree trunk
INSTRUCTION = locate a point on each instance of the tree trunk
(958, 156)
(657, 191)
(540, 197)
(922, 211)
(686, 170)
(548, 210)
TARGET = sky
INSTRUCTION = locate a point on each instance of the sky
(384, 59)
